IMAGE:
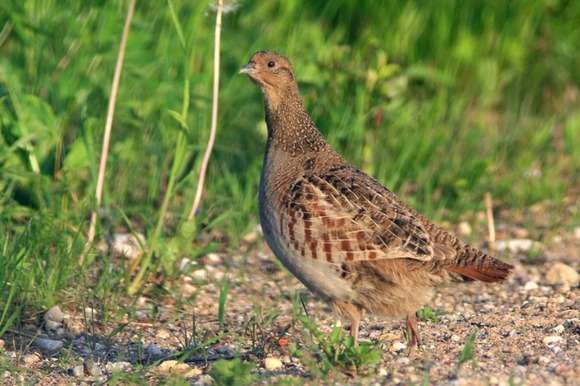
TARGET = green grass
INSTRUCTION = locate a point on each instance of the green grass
(428, 314)
(468, 351)
(336, 350)
(232, 372)
(441, 101)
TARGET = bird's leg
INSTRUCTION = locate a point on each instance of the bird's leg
(412, 332)
(351, 313)
(354, 325)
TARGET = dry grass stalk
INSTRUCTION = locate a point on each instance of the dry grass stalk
(490, 221)
(214, 110)
(109, 126)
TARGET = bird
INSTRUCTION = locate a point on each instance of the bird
(346, 237)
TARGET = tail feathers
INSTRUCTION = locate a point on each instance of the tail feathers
(481, 267)
(485, 274)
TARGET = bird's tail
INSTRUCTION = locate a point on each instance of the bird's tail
(476, 265)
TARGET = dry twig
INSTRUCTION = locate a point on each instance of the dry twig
(490, 221)
(108, 127)
(214, 110)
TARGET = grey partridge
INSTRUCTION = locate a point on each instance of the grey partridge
(340, 232)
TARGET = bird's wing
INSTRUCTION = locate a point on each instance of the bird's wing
(344, 215)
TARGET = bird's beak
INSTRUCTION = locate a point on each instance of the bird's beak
(248, 69)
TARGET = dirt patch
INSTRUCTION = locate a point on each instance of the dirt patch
(524, 331)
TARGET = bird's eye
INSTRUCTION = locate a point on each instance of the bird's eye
(271, 63)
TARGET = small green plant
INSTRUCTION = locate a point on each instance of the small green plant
(222, 302)
(468, 352)
(232, 372)
(427, 314)
(337, 349)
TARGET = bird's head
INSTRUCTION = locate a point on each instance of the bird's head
(272, 72)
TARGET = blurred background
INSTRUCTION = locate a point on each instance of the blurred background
(441, 101)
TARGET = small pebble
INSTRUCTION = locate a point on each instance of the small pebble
(204, 380)
(530, 286)
(517, 245)
(563, 274)
(194, 372)
(251, 237)
(163, 334)
(90, 313)
(404, 361)
(226, 350)
(31, 359)
(178, 368)
(464, 229)
(398, 346)
(113, 367)
(272, 363)
(54, 315)
(200, 274)
(92, 368)
(154, 352)
(128, 245)
(78, 371)
(184, 264)
(552, 340)
(212, 259)
(48, 345)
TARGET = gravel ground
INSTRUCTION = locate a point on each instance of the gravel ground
(526, 329)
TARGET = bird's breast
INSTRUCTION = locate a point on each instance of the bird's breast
(320, 277)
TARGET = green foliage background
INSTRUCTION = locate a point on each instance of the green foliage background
(440, 100)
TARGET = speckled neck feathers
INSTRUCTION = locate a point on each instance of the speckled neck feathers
(290, 127)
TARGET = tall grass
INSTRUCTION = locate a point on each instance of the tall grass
(38, 267)
(442, 101)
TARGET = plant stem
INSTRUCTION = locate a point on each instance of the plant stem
(108, 127)
(214, 110)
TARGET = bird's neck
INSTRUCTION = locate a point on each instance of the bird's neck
(290, 127)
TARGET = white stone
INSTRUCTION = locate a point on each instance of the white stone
(558, 329)
(403, 361)
(90, 313)
(272, 363)
(204, 380)
(78, 371)
(517, 245)
(54, 315)
(163, 334)
(52, 326)
(530, 286)
(200, 274)
(552, 340)
(173, 367)
(561, 273)
(113, 367)
(213, 258)
(128, 245)
(31, 359)
(464, 229)
(194, 372)
(398, 346)
(184, 264)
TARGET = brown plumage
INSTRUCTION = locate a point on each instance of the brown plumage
(343, 234)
